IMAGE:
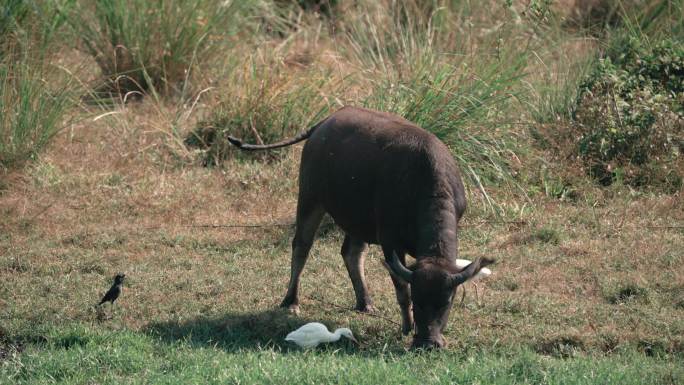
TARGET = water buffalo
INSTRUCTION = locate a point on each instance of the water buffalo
(384, 181)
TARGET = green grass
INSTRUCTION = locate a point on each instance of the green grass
(81, 354)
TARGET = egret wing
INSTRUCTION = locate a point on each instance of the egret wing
(309, 335)
(462, 263)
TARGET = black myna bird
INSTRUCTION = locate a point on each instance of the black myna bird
(113, 292)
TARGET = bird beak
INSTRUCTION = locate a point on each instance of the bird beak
(355, 341)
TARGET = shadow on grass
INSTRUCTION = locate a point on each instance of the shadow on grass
(235, 332)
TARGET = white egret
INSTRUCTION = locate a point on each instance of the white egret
(314, 333)
(483, 273)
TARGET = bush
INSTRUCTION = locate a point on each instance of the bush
(143, 45)
(630, 114)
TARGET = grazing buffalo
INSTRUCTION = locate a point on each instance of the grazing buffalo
(384, 181)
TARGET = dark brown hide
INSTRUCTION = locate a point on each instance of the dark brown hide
(384, 181)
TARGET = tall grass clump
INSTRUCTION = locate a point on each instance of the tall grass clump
(34, 96)
(266, 98)
(32, 108)
(151, 45)
(462, 109)
(560, 64)
(12, 14)
(552, 99)
(28, 25)
(421, 63)
(281, 19)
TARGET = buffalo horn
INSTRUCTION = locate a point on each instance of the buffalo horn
(398, 269)
(469, 271)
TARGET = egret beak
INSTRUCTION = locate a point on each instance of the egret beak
(355, 340)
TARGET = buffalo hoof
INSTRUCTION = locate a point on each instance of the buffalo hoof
(406, 325)
(428, 343)
(406, 328)
(293, 309)
(291, 305)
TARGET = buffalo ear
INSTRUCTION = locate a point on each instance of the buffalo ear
(469, 271)
(397, 269)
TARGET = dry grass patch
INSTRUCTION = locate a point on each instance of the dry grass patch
(83, 214)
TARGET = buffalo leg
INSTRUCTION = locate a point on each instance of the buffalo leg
(403, 292)
(308, 220)
(352, 253)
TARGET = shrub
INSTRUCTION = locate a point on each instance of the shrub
(143, 45)
(630, 114)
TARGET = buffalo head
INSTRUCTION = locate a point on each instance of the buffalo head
(433, 284)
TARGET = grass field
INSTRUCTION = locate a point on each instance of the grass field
(588, 286)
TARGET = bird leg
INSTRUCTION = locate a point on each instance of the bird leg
(477, 295)
(463, 296)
